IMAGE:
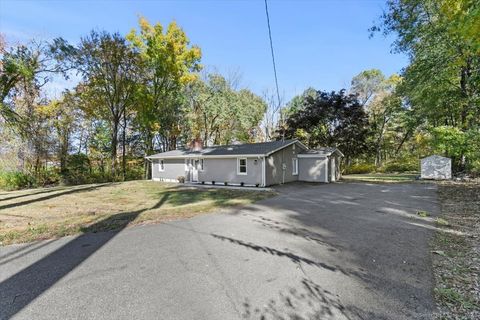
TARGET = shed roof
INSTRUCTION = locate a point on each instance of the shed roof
(322, 151)
(436, 156)
(247, 149)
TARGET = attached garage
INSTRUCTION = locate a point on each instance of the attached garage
(320, 165)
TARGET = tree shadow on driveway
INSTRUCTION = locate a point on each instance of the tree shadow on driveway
(22, 288)
(305, 301)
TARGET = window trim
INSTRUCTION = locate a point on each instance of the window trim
(187, 165)
(294, 166)
(202, 165)
(161, 165)
(238, 167)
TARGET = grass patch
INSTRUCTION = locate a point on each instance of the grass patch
(441, 222)
(457, 271)
(380, 177)
(30, 215)
(452, 297)
(423, 214)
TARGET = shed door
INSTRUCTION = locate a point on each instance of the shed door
(333, 171)
(196, 163)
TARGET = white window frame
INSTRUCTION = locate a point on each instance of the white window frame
(202, 165)
(187, 164)
(238, 167)
(295, 166)
(161, 165)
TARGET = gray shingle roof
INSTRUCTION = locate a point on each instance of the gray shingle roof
(322, 151)
(256, 149)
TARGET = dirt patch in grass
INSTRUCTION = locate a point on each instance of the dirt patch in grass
(30, 215)
(456, 256)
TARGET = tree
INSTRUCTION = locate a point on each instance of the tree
(366, 84)
(24, 65)
(379, 97)
(331, 119)
(63, 115)
(219, 114)
(110, 71)
(169, 63)
(442, 39)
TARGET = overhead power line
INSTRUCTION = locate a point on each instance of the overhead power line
(273, 55)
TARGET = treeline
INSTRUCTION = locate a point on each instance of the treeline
(147, 92)
(136, 95)
(433, 107)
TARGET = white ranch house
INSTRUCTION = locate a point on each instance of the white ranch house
(254, 164)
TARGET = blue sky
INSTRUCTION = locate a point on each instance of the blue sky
(321, 43)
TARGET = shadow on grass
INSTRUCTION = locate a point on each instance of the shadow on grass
(184, 196)
(52, 196)
(22, 288)
(29, 194)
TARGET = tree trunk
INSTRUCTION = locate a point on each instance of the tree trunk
(113, 154)
(124, 143)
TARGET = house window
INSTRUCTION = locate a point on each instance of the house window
(161, 166)
(242, 166)
(187, 164)
(295, 166)
(201, 164)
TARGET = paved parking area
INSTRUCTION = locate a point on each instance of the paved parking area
(337, 251)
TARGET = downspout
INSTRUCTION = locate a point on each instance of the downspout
(326, 169)
(264, 172)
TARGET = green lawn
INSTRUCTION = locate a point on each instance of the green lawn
(380, 177)
(35, 214)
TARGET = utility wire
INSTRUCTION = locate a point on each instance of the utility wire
(273, 55)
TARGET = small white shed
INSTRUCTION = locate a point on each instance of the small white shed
(436, 168)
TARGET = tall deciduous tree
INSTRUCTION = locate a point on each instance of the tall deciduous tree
(331, 119)
(27, 65)
(110, 71)
(366, 84)
(219, 114)
(169, 63)
(442, 39)
(380, 100)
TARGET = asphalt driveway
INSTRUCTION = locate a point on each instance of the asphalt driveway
(338, 251)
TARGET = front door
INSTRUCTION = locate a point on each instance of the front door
(195, 170)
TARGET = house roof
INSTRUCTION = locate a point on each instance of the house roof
(322, 151)
(247, 149)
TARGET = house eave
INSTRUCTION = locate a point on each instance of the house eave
(284, 146)
(207, 156)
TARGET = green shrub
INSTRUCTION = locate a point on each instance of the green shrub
(48, 177)
(77, 170)
(14, 180)
(360, 168)
(474, 168)
(400, 166)
(135, 173)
